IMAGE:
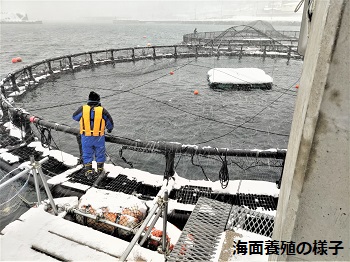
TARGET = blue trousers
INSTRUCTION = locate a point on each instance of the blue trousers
(93, 146)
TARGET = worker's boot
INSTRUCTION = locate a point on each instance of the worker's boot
(88, 171)
(100, 169)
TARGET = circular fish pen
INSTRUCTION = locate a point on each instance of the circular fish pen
(161, 126)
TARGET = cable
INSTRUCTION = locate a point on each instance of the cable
(251, 118)
(119, 91)
(199, 166)
(123, 158)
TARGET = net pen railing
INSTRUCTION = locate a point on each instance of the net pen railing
(30, 75)
(169, 149)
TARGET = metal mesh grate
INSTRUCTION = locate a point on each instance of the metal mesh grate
(79, 177)
(25, 152)
(191, 194)
(54, 167)
(201, 235)
(251, 221)
(6, 140)
(253, 201)
(122, 184)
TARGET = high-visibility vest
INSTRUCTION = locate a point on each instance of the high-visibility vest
(99, 122)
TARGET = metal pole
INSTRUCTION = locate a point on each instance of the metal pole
(47, 189)
(150, 227)
(165, 218)
(102, 220)
(36, 182)
(138, 233)
(19, 175)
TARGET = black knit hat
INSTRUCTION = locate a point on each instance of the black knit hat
(94, 97)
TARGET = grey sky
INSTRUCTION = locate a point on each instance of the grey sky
(50, 10)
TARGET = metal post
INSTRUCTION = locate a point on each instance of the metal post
(165, 218)
(14, 84)
(133, 54)
(31, 77)
(289, 52)
(154, 52)
(36, 182)
(49, 66)
(169, 164)
(150, 227)
(47, 189)
(175, 52)
(138, 233)
(70, 62)
(91, 60)
(241, 53)
(112, 56)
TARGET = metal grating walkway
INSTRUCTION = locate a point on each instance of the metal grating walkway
(191, 194)
(122, 184)
(251, 221)
(201, 235)
(79, 177)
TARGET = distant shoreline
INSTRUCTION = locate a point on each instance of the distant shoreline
(279, 22)
(20, 22)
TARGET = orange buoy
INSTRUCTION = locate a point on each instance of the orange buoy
(196, 92)
(19, 59)
(297, 86)
(14, 60)
(171, 72)
(144, 36)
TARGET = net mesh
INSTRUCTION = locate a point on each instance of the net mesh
(12, 194)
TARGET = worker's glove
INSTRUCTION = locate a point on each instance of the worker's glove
(109, 131)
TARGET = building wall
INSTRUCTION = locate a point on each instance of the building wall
(314, 198)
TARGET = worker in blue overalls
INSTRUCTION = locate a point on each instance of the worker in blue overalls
(94, 119)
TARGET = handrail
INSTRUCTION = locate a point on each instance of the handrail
(22, 173)
(172, 147)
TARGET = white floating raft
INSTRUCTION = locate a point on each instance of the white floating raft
(239, 78)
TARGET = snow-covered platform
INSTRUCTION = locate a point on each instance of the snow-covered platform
(239, 78)
(39, 235)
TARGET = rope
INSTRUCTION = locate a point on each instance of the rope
(199, 166)
(251, 118)
(223, 173)
(123, 158)
(45, 136)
